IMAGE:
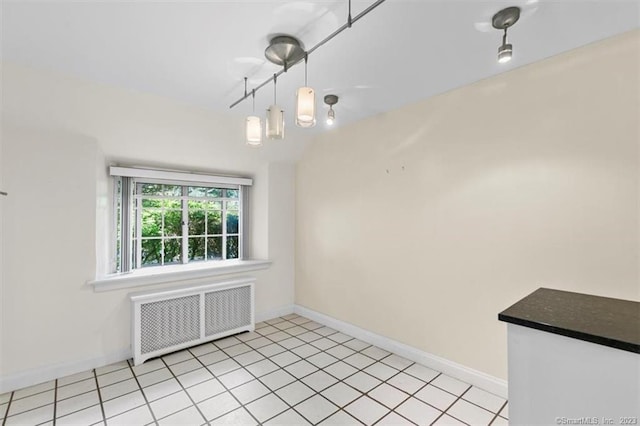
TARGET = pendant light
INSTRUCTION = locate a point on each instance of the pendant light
(331, 100)
(275, 117)
(502, 21)
(253, 125)
(305, 102)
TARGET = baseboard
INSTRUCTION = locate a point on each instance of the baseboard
(43, 374)
(453, 369)
(274, 313)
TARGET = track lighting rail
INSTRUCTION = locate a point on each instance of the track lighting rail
(348, 24)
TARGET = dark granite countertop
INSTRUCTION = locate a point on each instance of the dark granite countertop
(601, 320)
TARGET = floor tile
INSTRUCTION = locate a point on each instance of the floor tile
(388, 395)
(266, 407)
(30, 402)
(355, 344)
(295, 392)
(393, 419)
(248, 358)
(194, 377)
(381, 371)
(218, 405)
(341, 418)
(362, 381)
(285, 358)
(112, 367)
(236, 350)
(341, 394)
(33, 390)
(322, 360)
(189, 416)
(406, 383)
(397, 362)
(418, 412)
(118, 389)
(63, 381)
(138, 416)
(185, 366)
(77, 403)
(87, 416)
(175, 357)
(148, 366)
(285, 325)
(319, 380)
(340, 351)
(288, 418)
(312, 325)
(271, 350)
(226, 342)
(325, 331)
(238, 417)
(171, 404)
(31, 417)
(223, 367)
(3, 410)
(5, 397)
(301, 369)
(367, 410)
(340, 370)
(250, 391)
(505, 411)
(123, 403)
(448, 421)
(259, 343)
(359, 361)
(305, 351)
(300, 320)
(278, 336)
(152, 378)
(340, 338)
(470, 413)
(436, 397)
(277, 379)
(450, 384)
(207, 348)
(261, 368)
(245, 337)
(291, 343)
(316, 409)
(500, 421)
(235, 378)
(484, 399)
(162, 389)
(272, 321)
(213, 357)
(375, 353)
(265, 331)
(296, 330)
(421, 372)
(76, 388)
(205, 390)
(309, 336)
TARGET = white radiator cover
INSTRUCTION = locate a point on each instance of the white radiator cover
(175, 318)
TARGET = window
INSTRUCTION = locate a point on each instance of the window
(166, 222)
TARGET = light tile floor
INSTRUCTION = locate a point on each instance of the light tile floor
(290, 371)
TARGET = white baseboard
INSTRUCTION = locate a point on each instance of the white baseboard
(453, 369)
(274, 313)
(43, 374)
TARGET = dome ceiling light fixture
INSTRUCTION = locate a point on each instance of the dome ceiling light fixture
(286, 51)
(503, 20)
(331, 100)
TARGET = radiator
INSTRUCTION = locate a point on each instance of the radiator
(176, 318)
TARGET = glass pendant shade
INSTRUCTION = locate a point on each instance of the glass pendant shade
(305, 107)
(275, 122)
(254, 131)
(331, 116)
(505, 52)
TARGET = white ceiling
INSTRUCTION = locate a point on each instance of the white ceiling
(198, 52)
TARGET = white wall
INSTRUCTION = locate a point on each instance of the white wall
(423, 223)
(58, 136)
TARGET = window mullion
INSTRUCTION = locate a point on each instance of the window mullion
(185, 225)
(138, 237)
(224, 228)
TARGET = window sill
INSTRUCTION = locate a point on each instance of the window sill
(166, 274)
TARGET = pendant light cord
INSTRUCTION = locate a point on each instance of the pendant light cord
(275, 80)
(504, 36)
(253, 96)
(349, 20)
(306, 59)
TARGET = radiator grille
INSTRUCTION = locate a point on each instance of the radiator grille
(227, 309)
(169, 322)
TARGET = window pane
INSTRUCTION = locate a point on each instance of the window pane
(214, 222)
(196, 222)
(172, 190)
(172, 250)
(172, 223)
(232, 222)
(214, 192)
(148, 203)
(196, 248)
(197, 191)
(174, 204)
(151, 252)
(232, 193)
(198, 205)
(213, 205)
(151, 189)
(151, 223)
(233, 205)
(214, 248)
(232, 247)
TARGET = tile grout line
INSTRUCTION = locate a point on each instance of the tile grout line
(153, 415)
(6, 414)
(183, 389)
(451, 405)
(498, 413)
(95, 376)
(55, 401)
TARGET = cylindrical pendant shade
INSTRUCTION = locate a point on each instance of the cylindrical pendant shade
(254, 131)
(275, 122)
(305, 107)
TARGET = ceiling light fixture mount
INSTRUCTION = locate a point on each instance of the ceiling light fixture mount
(284, 50)
(503, 20)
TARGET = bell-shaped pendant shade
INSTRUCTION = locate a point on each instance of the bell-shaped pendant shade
(306, 107)
(275, 122)
(254, 131)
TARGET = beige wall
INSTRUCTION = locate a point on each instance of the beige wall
(58, 136)
(423, 223)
